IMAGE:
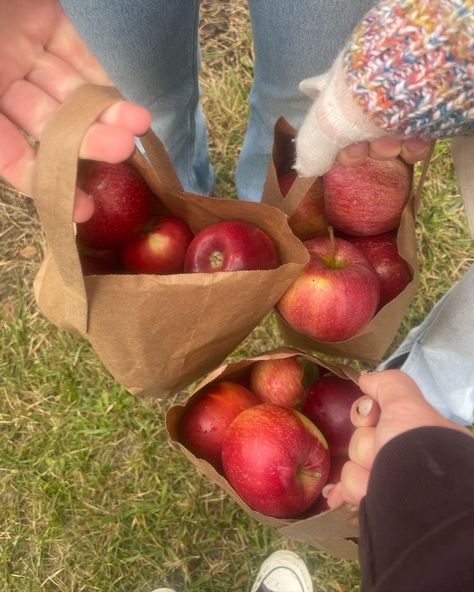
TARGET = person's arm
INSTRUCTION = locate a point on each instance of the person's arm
(406, 72)
(417, 519)
(412, 472)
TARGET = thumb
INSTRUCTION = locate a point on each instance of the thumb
(397, 393)
(311, 87)
(391, 386)
(315, 151)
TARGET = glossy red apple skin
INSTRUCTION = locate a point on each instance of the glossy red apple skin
(327, 403)
(382, 252)
(332, 301)
(161, 250)
(276, 460)
(282, 381)
(366, 199)
(207, 418)
(309, 219)
(122, 201)
(231, 245)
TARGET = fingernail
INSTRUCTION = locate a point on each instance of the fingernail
(364, 407)
(326, 489)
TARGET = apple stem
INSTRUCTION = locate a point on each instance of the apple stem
(333, 242)
(312, 474)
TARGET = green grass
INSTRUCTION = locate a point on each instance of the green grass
(92, 495)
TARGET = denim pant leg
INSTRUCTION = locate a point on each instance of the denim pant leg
(292, 41)
(150, 50)
(439, 353)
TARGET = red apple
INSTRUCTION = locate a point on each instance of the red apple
(366, 199)
(122, 201)
(327, 403)
(282, 380)
(231, 245)
(207, 418)
(160, 250)
(382, 252)
(335, 296)
(276, 460)
(286, 180)
(309, 219)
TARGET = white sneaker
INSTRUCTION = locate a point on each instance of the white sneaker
(283, 571)
(163, 590)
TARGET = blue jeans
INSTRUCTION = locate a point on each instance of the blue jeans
(150, 48)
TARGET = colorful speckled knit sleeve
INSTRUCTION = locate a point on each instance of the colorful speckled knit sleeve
(410, 66)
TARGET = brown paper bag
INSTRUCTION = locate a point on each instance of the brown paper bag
(155, 334)
(371, 343)
(333, 531)
(463, 157)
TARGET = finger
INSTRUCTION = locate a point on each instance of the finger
(129, 116)
(354, 154)
(365, 412)
(31, 109)
(311, 87)
(334, 497)
(55, 77)
(396, 393)
(59, 80)
(385, 148)
(28, 106)
(67, 45)
(414, 150)
(354, 482)
(107, 143)
(362, 447)
(390, 386)
(17, 160)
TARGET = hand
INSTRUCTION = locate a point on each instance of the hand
(336, 128)
(393, 405)
(43, 61)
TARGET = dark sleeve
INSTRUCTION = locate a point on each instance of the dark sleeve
(417, 519)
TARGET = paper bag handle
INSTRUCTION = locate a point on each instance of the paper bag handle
(296, 193)
(300, 185)
(54, 184)
(463, 156)
(417, 191)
